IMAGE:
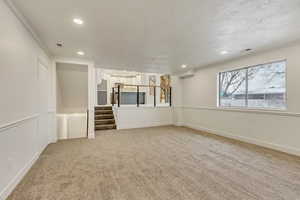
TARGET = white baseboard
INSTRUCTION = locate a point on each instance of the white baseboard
(277, 147)
(142, 125)
(91, 136)
(19, 176)
(178, 124)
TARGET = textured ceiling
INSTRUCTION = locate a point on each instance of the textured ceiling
(161, 35)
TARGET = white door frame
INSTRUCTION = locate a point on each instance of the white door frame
(45, 112)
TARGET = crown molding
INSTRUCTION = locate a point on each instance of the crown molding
(20, 16)
(73, 60)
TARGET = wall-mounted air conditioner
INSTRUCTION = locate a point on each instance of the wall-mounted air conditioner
(187, 74)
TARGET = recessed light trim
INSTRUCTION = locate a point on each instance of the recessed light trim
(224, 52)
(183, 66)
(81, 53)
(78, 21)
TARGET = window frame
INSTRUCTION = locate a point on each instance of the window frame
(246, 107)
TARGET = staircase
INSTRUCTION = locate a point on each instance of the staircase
(104, 118)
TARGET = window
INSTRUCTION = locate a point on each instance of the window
(261, 86)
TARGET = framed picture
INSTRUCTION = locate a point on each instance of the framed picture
(152, 82)
(165, 84)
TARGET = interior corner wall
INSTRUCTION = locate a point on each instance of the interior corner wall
(59, 103)
(177, 100)
(266, 128)
(24, 129)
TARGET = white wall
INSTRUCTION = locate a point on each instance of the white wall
(147, 116)
(72, 88)
(23, 118)
(133, 117)
(177, 100)
(71, 126)
(270, 129)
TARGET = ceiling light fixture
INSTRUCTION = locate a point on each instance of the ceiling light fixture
(78, 21)
(81, 53)
(183, 66)
(224, 52)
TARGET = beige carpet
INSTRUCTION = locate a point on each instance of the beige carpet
(164, 163)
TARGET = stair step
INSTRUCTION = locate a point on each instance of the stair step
(106, 116)
(105, 127)
(103, 108)
(100, 112)
(105, 121)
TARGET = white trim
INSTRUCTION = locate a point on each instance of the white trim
(17, 179)
(247, 68)
(273, 146)
(254, 65)
(43, 63)
(134, 107)
(142, 125)
(19, 15)
(178, 124)
(92, 97)
(76, 61)
(91, 88)
(245, 110)
(17, 122)
(71, 114)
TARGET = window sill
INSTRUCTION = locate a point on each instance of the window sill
(254, 109)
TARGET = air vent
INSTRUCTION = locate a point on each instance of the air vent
(59, 44)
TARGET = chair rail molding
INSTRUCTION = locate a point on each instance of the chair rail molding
(17, 122)
(248, 110)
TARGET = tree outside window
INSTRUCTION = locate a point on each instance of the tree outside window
(261, 86)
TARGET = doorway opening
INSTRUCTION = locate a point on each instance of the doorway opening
(72, 100)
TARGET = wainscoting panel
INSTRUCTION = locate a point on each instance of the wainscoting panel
(139, 117)
(71, 126)
(272, 130)
(43, 131)
(20, 145)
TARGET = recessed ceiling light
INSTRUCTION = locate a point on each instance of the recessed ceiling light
(78, 21)
(224, 52)
(81, 53)
(183, 66)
